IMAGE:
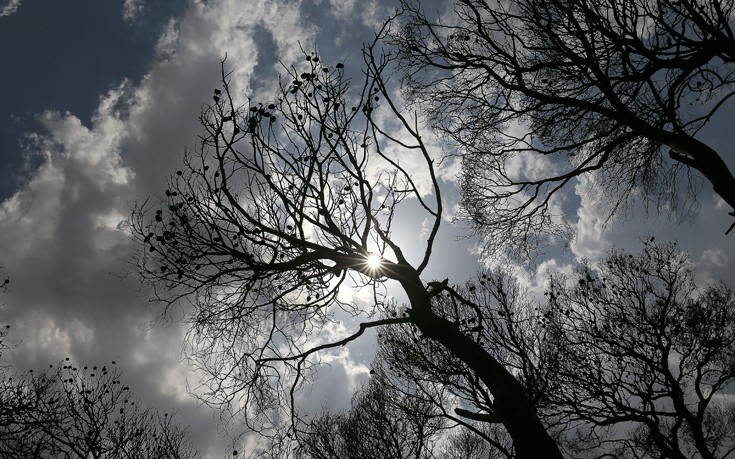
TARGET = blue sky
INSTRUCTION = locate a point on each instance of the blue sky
(98, 100)
(62, 56)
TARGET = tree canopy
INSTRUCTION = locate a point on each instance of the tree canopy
(537, 93)
(281, 205)
(626, 358)
(643, 356)
(287, 203)
(83, 412)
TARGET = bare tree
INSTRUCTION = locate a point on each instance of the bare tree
(396, 421)
(643, 357)
(381, 422)
(4, 328)
(470, 445)
(7, 411)
(283, 204)
(495, 312)
(606, 86)
(83, 412)
(626, 359)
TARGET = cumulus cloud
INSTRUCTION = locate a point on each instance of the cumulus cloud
(338, 377)
(590, 236)
(168, 41)
(60, 233)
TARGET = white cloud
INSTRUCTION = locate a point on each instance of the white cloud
(373, 13)
(342, 9)
(132, 9)
(339, 376)
(168, 41)
(9, 8)
(590, 241)
(59, 235)
(81, 171)
(716, 257)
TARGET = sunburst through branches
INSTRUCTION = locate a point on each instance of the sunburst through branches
(373, 262)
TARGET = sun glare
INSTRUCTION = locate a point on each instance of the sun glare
(373, 261)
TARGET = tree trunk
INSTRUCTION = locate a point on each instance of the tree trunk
(699, 156)
(510, 403)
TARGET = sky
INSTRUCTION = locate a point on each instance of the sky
(99, 99)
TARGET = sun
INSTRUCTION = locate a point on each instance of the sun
(373, 261)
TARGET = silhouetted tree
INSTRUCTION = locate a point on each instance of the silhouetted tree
(493, 311)
(625, 359)
(469, 444)
(381, 422)
(281, 206)
(394, 422)
(616, 87)
(83, 413)
(6, 411)
(643, 356)
(4, 328)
